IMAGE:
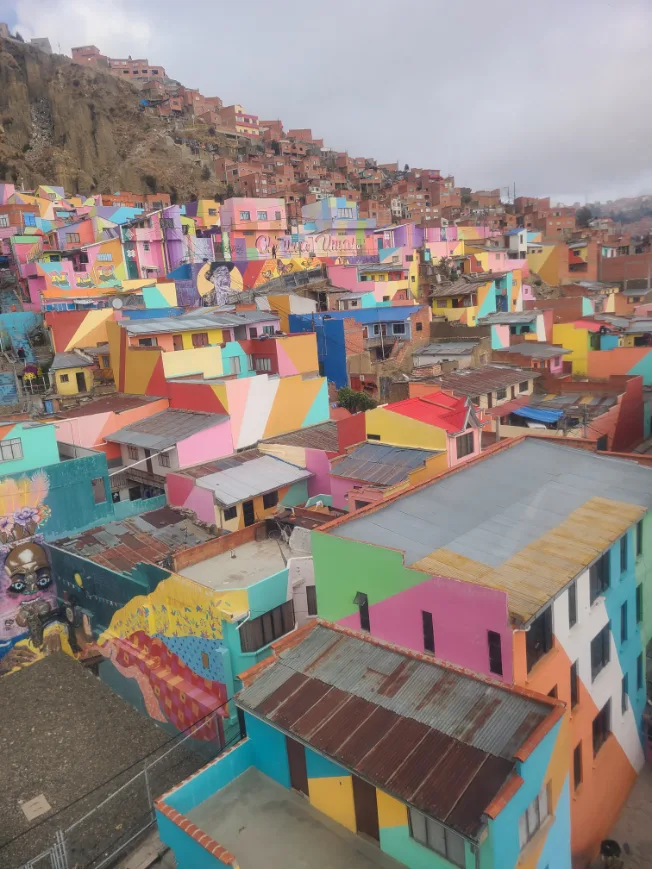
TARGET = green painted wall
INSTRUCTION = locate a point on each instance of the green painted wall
(343, 567)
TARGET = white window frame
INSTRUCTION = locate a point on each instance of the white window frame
(261, 215)
(11, 449)
(133, 453)
(245, 215)
(436, 837)
(534, 816)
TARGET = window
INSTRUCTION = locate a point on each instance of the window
(30, 220)
(277, 215)
(464, 445)
(538, 640)
(500, 394)
(362, 602)
(535, 814)
(419, 327)
(623, 622)
(4, 221)
(205, 660)
(639, 604)
(263, 630)
(230, 513)
(523, 386)
(639, 672)
(311, 597)
(623, 553)
(253, 332)
(268, 330)
(147, 342)
(398, 328)
(263, 363)
(601, 727)
(624, 694)
(572, 605)
(72, 238)
(599, 577)
(600, 651)
(438, 838)
(428, 632)
(409, 258)
(495, 653)
(639, 538)
(234, 363)
(64, 378)
(132, 452)
(577, 765)
(574, 685)
(164, 460)
(106, 361)
(270, 500)
(261, 215)
(99, 490)
(373, 437)
(200, 339)
(167, 223)
(11, 449)
(245, 215)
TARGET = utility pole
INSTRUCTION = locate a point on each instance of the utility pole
(585, 420)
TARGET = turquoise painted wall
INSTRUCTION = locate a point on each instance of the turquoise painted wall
(647, 420)
(188, 853)
(212, 778)
(503, 830)
(622, 589)
(319, 411)
(296, 494)
(489, 304)
(608, 342)
(39, 448)
(269, 749)
(644, 368)
(232, 349)
(397, 843)
(125, 509)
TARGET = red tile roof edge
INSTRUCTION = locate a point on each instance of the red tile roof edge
(192, 830)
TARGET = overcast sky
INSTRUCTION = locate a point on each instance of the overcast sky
(552, 95)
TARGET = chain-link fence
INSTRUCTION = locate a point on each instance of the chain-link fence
(100, 826)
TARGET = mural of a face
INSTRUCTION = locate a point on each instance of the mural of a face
(28, 569)
(221, 280)
(27, 592)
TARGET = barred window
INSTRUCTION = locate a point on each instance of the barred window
(263, 630)
(11, 449)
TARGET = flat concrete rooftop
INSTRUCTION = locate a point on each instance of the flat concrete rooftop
(253, 561)
(264, 824)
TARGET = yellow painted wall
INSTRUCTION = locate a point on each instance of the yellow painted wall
(302, 352)
(402, 431)
(260, 512)
(70, 387)
(575, 340)
(469, 315)
(333, 795)
(214, 337)
(203, 361)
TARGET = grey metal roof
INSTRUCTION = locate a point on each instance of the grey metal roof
(637, 326)
(317, 437)
(252, 478)
(491, 509)
(165, 429)
(535, 350)
(70, 360)
(380, 464)
(448, 348)
(478, 381)
(509, 318)
(196, 321)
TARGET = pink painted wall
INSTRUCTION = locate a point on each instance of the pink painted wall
(451, 450)
(339, 489)
(462, 614)
(558, 367)
(344, 276)
(317, 461)
(182, 492)
(212, 443)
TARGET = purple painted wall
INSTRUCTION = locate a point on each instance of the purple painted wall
(317, 461)
(462, 614)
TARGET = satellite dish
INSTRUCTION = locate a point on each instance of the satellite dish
(117, 304)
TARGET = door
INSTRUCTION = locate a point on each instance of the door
(177, 342)
(81, 381)
(148, 455)
(297, 763)
(248, 513)
(366, 808)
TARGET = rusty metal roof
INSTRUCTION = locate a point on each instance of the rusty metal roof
(426, 733)
(478, 381)
(316, 437)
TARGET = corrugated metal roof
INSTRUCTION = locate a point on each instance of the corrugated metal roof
(316, 437)
(252, 478)
(535, 350)
(492, 510)
(380, 464)
(478, 381)
(508, 318)
(70, 360)
(165, 429)
(203, 470)
(448, 348)
(196, 322)
(428, 734)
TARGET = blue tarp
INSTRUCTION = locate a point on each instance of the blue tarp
(539, 415)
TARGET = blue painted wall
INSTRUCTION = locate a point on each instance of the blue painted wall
(39, 443)
(331, 349)
(189, 854)
(269, 750)
(212, 778)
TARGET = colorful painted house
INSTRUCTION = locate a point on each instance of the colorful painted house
(539, 355)
(72, 373)
(493, 388)
(372, 738)
(529, 565)
(239, 490)
(474, 296)
(26, 445)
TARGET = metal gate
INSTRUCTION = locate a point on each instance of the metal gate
(54, 858)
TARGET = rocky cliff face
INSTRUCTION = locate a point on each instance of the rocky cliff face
(84, 129)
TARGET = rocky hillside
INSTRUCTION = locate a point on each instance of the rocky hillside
(83, 129)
